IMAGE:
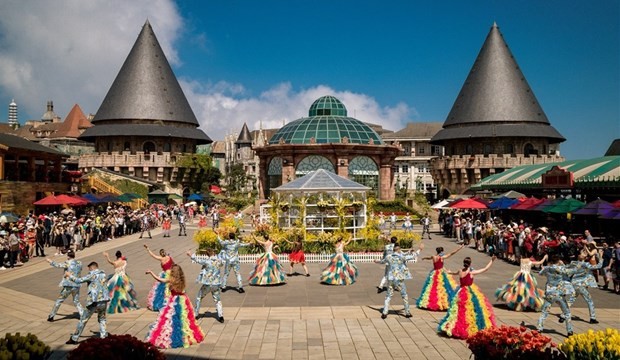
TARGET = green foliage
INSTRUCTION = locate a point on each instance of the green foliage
(392, 206)
(237, 203)
(128, 186)
(236, 179)
(421, 200)
(115, 347)
(204, 175)
(23, 347)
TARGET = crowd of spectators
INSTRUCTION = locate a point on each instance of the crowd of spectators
(512, 240)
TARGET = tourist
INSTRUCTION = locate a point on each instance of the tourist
(4, 249)
(123, 297)
(297, 256)
(470, 311)
(68, 287)
(607, 254)
(230, 255)
(209, 280)
(457, 227)
(388, 249)
(340, 270)
(96, 300)
(31, 240)
(158, 296)
(522, 293)
(176, 325)
(14, 248)
(267, 270)
(557, 289)
(439, 287)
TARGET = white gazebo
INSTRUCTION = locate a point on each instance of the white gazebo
(320, 201)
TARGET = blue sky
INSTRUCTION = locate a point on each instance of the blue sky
(265, 62)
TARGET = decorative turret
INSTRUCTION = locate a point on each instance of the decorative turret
(49, 115)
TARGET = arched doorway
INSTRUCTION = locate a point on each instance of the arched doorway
(364, 170)
(148, 147)
(313, 162)
(528, 150)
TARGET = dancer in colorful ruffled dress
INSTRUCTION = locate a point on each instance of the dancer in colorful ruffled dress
(123, 297)
(522, 293)
(159, 292)
(166, 225)
(202, 222)
(439, 287)
(340, 271)
(176, 325)
(470, 311)
(268, 270)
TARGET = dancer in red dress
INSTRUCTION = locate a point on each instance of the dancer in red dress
(439, 287)
(297, 256)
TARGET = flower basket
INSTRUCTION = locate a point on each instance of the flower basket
(593, 345)
(509, 342)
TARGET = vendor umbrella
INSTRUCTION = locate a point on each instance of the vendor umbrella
(8, 217)
(566, 206)
(469, 204)
(194, 197)
(68, 200)
(596, 207)
(503, 203)
(50, 200)
(613, 214)
(616, 203)
(526, 204)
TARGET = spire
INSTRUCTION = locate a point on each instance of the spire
(146, 87)
(75, 123)
(244, 136)
(496, 94)
(49, 114)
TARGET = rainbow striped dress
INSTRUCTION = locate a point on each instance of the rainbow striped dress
(176, 325)
(268, 270)
(340, 270)
(160, 291)
(438, 290)
(469, 312)
(521, 293)
(123, 297)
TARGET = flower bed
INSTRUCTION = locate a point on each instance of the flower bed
(595, 345)
(508, 342)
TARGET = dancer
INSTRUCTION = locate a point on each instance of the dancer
(470, 311)
(145, 222)
(96, 300)
(209, 280)
(439, 287)
(176, 325)
(230, 255)
(268, 270)
(203, 220)
(166, 225)
(69, 287)
(556, 291)
(583, 278)
(397, 274)
(521, 293)
(297, 256)
(388, 249)
(123, 296)
(340, 270)
(159, 292)
(426, 226)
(182, 226)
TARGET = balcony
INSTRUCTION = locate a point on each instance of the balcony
(127, 159)
(491, 161)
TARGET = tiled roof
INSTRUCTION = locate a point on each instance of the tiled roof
(19, 143)
(417, 130)
(74, 124)
(106, 130)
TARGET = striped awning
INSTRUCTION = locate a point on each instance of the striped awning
(602, 171)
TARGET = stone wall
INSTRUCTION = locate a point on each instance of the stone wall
(18, 196)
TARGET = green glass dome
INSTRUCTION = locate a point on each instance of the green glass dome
(327, 123)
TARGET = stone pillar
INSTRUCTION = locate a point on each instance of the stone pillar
(288, 170)
(385, 182)
(32, 169)
(57, 171)
(343, 168)
(262, 179)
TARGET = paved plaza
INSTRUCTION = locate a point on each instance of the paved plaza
(302, 319)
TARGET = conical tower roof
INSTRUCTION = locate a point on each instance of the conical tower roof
(145, 99)
(74, 123)
(244, 136)
(146, 87)
(496, 99)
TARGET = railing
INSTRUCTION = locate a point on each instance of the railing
(126, 158)
(311, 258)
(491, 161)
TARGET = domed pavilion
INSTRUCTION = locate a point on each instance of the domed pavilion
(327, 139)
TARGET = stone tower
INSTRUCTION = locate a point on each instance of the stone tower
(145, 116)
(13, 121)
(496, 122)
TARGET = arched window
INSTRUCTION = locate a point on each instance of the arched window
(509, 149)
(127, 146)
(364, 170)
(469, 149)
(167, 147)
(313, 162)
(528, 150)
(274, 173)
(487, 149)
(148, 147)
(184, 148)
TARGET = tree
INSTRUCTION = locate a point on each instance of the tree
(236, 179)
(205, 174)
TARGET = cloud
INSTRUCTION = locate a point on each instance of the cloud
(222, 108)
(70, 51)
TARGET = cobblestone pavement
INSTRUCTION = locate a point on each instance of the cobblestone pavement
(302, 319)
